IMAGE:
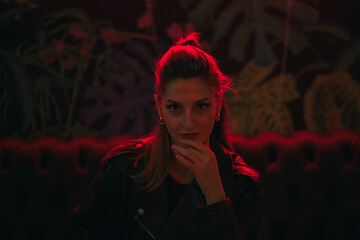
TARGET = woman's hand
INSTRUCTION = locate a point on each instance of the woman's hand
(201, 161)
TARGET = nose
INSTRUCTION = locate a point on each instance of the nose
(188, 121)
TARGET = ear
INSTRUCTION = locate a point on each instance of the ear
(158, 105)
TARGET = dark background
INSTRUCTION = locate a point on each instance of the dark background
(30, 109)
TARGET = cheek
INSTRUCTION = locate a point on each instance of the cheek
(212, 113)
(172, 123)
(206, 122)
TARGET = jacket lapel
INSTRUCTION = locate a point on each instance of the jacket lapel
(153, 216)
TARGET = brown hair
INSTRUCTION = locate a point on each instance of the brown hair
(185, 59)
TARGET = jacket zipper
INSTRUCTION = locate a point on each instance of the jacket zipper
(144, 227)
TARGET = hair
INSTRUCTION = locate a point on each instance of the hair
(186, 59)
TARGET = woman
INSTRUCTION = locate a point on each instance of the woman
(182, 182)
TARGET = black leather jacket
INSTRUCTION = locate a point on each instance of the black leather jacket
(117, 207)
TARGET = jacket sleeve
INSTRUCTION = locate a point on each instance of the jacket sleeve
(240, 217)
(96, 216)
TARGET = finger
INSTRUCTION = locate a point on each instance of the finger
(189, 153)
(197, 145)
(187, 163)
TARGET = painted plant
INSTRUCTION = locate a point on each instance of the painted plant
(261, 104)
(74, 75)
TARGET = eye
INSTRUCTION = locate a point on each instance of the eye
(203, 106)
(173, 107)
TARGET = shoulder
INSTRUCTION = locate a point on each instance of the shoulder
(240, 167)
(126, 153)
(246, 178)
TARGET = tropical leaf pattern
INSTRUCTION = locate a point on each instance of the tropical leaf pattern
(68, 75)
(13, 67)
(350, 55)
(263, 19)
(332, 103)
(73, 54)
(125, 99)
(121, 107)
(262, 103)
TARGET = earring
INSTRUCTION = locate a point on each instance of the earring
(162, 121)
(218, 117)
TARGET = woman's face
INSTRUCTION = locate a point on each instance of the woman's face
(189, 107)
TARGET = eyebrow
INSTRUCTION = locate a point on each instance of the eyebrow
(201, 100)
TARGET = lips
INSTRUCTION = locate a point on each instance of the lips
(189, 135)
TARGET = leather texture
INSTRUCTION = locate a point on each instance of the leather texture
(116, 198)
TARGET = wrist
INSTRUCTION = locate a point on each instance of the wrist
(215, 197)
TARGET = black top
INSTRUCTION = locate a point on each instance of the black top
(174, 192)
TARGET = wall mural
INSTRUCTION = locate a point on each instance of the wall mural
(69, 70)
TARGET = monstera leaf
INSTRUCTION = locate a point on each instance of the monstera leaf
(125, 98)
(122, 107)
(349, 57)
(261, 107)
(251, 120)
(333, 103)
(262, 19)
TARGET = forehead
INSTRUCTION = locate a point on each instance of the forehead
(183, 89)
